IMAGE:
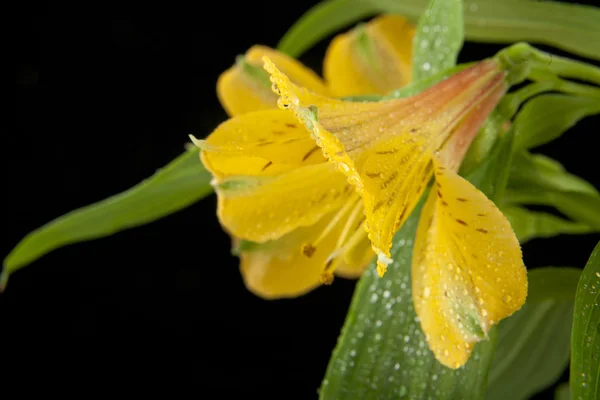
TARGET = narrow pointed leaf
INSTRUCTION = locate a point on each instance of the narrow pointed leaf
(585, 339)
(571, 27)
(578, 206)
(176, 186)
(438, 39)
(534, 343)
(322, 20)
(548, 116)
(541, 171)
(530, 225)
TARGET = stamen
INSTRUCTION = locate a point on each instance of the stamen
(336, 218)
(327, 278)
(354, 215)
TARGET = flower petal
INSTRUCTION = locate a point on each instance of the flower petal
(357, 256)
(245, 87)
(385, 148)
(281, 268)
(374, 58)
(261, 143)
(260, 208)
(467, 271)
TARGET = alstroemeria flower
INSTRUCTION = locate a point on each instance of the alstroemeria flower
(374, 58)
(258, 158)
(468, 271)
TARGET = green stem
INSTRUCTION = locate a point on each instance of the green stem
(521, 59)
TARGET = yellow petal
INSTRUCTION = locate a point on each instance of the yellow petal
(245, 87)
(467, 271)
(370, 59)
(385, 148)
(261, 143)
(280, 268)
(260, 208)
(357, 257)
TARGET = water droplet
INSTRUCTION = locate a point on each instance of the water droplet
(426, 66)
(403, 391)
(506, 298)
(473, 7)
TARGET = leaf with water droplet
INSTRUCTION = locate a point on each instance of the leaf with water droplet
(534, 343)
(438, 39)
(568, 26)
(585, 337)
(391, 359)
(415, 372)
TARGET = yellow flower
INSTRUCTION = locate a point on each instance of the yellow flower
(273, 184)
(374, 58)
(280, 186)
(468, 271)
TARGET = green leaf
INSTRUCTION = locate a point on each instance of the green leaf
(382, 352)
(537, 170)
(530, 225)
(563, 392)
(176, 186)
(491, 176)
(322, 20)
(585, 339)
(571, 27)
(548, 116)
(484, 141)
(534, 343)
(580, 207)
(438, 39)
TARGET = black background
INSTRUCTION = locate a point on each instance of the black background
(103, 101)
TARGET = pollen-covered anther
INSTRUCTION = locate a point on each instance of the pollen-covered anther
(308, 249)
(326, 278)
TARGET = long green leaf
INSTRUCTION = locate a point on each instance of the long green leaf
(438, 39)
(176, 186)
(571, 27)
(534, 343)
(322, 20)
(548, 116)
(578, 206)
(382, 352)
(540, 171)
(585, 339)
(530, 225)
